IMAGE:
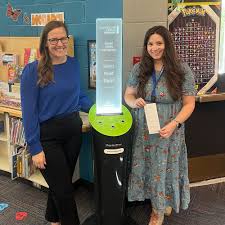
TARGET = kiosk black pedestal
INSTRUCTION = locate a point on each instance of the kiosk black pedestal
(112, 146)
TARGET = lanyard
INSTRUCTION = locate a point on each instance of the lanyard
(155, 82)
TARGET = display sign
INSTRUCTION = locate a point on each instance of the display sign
(195, 28)
(41, 19)
(108, 66)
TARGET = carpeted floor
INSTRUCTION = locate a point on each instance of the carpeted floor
(207, 205)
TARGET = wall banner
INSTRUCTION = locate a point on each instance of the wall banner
(41, 19)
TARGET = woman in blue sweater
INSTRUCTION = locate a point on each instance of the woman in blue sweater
(51, 100)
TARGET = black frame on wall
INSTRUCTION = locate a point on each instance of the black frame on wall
(91, 47)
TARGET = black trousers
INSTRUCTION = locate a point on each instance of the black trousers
(61, 139)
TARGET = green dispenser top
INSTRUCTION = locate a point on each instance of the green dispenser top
(111, 125)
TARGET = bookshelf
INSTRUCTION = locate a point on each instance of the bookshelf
(16, 45)
(5, 145)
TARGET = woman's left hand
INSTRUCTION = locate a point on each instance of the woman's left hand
(168, 130)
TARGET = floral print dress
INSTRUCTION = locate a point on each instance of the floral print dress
(159, 169)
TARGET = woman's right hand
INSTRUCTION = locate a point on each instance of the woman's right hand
(139, 103)
(39, 160)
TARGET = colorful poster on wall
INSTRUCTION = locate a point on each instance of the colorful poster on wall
(195, 29)
(92, 64)
(41, 19)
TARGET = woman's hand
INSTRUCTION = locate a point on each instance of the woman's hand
(139, 103)
(131, 100)
(39, 160)
(168, 130)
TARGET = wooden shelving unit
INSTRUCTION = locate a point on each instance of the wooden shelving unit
(5, 154)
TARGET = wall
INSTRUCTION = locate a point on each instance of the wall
(138, 17)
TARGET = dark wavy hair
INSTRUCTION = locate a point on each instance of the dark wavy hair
(45, 68)
(172, 65)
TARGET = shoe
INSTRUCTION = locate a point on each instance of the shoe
(168, 211)
(156, 218)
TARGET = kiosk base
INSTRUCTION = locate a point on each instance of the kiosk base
(112, 157)
(92, 220)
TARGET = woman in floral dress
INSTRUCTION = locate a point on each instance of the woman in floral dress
(159, 164)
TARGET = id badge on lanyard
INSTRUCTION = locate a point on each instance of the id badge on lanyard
(155, 82)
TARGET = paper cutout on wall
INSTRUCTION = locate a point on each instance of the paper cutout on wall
(13, 14)
(26, 18)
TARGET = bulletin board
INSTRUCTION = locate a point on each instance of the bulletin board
(16, 45)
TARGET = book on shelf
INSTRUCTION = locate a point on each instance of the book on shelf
(17, 136)
(9, 99)
(14, 73)
(22, 165)
(19, 165)
(2, 126)
(14, 167)
(30, 55)
(15, 152)
(7, 57)
(11, 72)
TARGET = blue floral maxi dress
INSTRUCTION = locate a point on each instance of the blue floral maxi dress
(159, 169)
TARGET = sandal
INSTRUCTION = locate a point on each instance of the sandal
(168, 210)
(156, 218)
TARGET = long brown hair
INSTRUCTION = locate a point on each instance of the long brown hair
(171, 63)
(45, 68)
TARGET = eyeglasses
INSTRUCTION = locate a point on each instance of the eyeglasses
(54, 41)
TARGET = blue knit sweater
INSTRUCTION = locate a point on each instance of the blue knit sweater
(62, 96)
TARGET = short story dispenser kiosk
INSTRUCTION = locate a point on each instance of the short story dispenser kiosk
(111, 122)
